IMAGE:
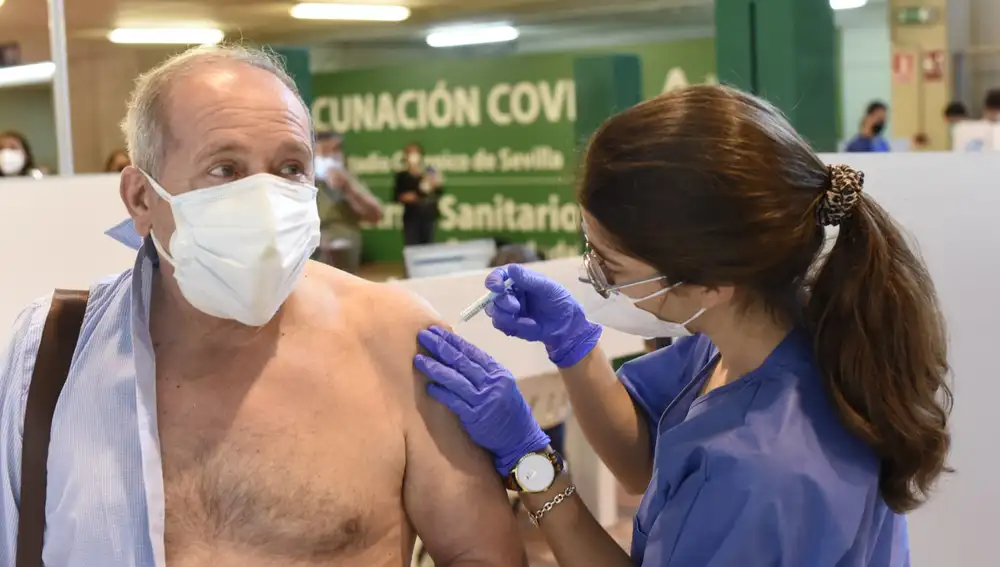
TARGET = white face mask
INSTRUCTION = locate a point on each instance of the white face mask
(322, 166)
(239, 248)
(325, 164)
(619, 312)
(12, 161)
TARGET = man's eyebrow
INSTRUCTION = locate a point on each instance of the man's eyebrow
(225, 147)
(291, 146)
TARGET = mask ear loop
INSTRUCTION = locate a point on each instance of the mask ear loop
(161, 193)
(160, 250)
(669, 288)
(695, 316)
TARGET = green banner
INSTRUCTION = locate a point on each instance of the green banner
(500, 130)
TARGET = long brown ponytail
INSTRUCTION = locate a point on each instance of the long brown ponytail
(880, 339)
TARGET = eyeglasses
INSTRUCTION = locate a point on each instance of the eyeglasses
(596, 275)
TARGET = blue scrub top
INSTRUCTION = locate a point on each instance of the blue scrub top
(861, 143)
(758, 472)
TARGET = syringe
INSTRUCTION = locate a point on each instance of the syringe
(481, 303)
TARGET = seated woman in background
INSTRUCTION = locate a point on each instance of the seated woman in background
(117, 161)
(16, 159)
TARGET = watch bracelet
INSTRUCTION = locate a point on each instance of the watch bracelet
(558, 499)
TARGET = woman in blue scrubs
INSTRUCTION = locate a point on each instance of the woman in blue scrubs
(803, 409)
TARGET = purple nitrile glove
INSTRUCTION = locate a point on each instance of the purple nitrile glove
(482, 394)
(536, 308)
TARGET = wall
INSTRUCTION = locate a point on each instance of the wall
(864, 55)
(919, 97)
(865, 59)
(101, 76)
(982, 19)
(28, 110)
(329, 58)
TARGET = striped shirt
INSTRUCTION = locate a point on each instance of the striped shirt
(105, 503)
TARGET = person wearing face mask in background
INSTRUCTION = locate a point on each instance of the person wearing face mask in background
(869, 137)
(991, 106)
(803, 409)
(16, 159)
(344, 203)
(418, 188)
(117, 162)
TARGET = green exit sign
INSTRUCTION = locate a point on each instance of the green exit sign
(916, 15)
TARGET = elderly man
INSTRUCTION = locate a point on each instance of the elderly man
(231, 403)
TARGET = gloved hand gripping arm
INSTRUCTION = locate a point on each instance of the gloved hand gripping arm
(535, 308)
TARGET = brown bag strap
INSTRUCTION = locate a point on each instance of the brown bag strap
(55, 354)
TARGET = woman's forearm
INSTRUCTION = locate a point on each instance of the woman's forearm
(610, 421)
(575, 537)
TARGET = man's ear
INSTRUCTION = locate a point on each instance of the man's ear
(134, 190)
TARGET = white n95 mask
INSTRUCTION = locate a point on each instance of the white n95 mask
(238, 249)
(620, 312)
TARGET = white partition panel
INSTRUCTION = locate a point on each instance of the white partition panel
(51, 235)
(950, 203)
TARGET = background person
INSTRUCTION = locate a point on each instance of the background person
(344, 203)
(991, 106)
(117, 162)
(806, 415)
(419, 189)
(16, 158)
(869, 137)
(955, 112)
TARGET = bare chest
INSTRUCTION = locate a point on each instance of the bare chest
(297, 456)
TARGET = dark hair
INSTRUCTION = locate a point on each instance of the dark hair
(955, 109)
(992, 100)
(515, 254)
(874, 106)
(112, 157)
(713, 187)
(417, 145)
(29, 156)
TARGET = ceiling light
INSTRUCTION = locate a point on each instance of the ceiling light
(162, 36)
(33, 74)
(847, 4)
(356, 12)
(471, 35)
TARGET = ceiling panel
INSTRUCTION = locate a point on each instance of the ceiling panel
(269, 20)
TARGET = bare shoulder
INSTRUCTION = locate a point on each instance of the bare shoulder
(376, 303)
(384, 318)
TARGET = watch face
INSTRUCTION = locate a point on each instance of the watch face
(535, 473)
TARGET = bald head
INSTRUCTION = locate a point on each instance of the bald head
(208, 117)
(154, 102)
